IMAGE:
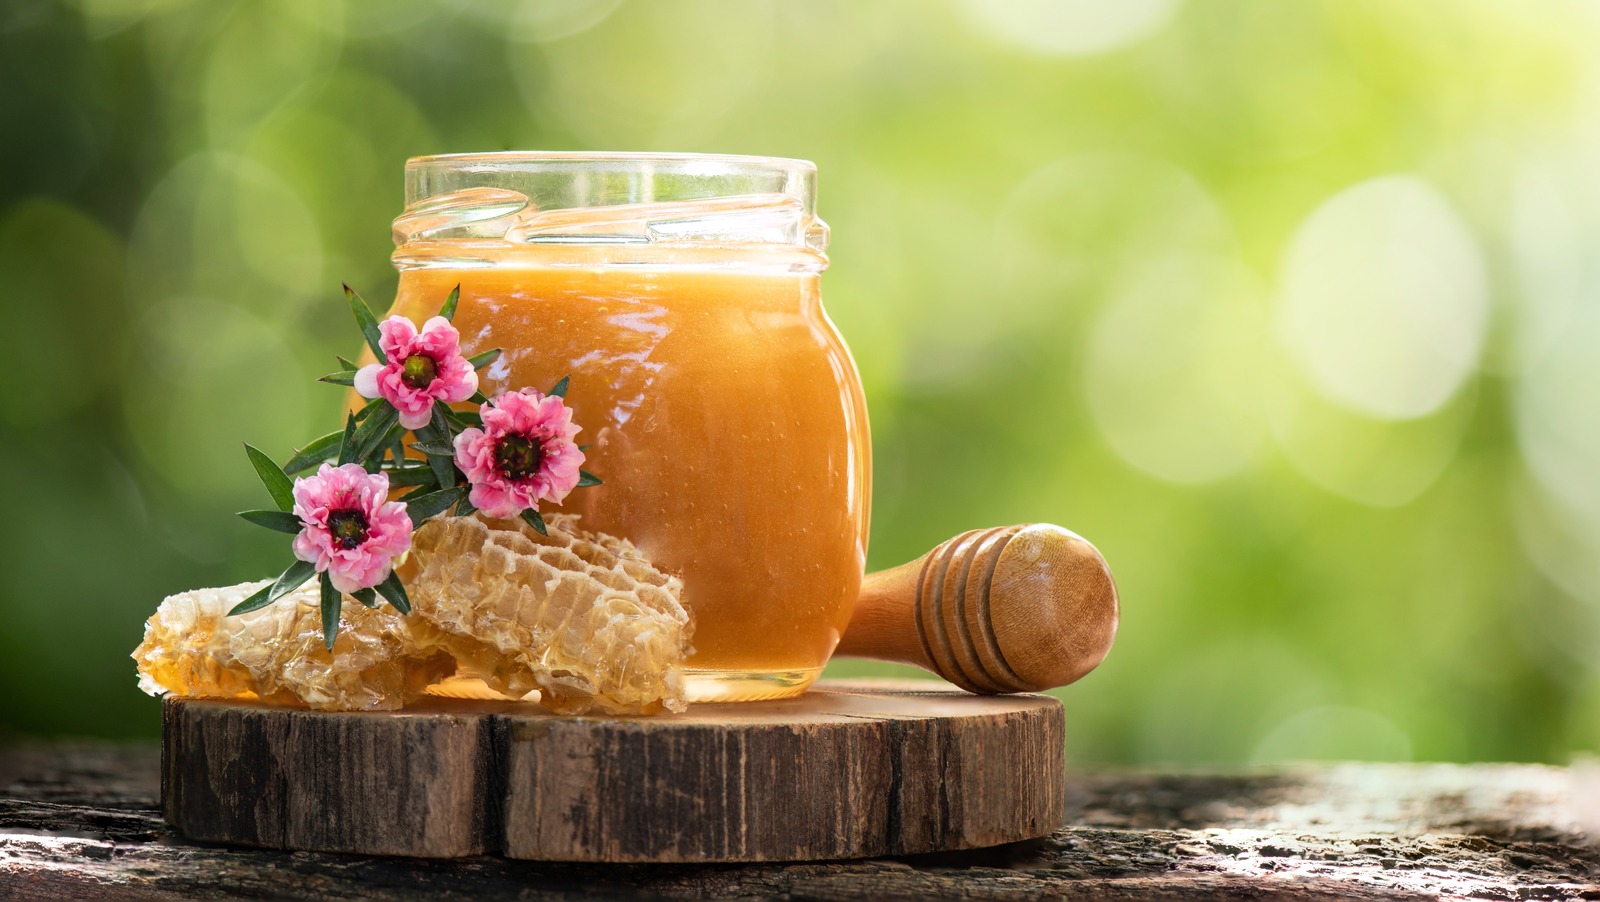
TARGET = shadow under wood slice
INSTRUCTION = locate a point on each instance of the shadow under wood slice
(848, 770)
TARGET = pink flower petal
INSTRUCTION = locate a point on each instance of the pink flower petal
(349, 488)
(366, 383)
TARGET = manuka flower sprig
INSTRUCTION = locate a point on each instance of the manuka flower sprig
(348, 533)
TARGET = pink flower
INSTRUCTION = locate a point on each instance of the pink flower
(524, 453)
(421, 368)
(350, 529)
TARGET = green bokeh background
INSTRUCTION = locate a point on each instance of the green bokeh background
(1292, 308)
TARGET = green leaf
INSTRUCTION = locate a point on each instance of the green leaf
(444, 467)
(479, 398)
(282, 521)
(465, 507)
(479, 361)
(421, 507)
(389, 443)
(393, 590)
(277, 482)
(442, 423)
(560, 388)
(259, 600)
(332, 601)
(586, 479)
(368, 322)
(394, 442)
(343, 377)
(465, 418)
(345, 364)
(367, 408)
(448, 311)
(293, 578)
(347, 440)
(402, 476)
(434, 449)
(534, 519)
(366, 597)
(371, 433)
(319, 450)
(584, 447)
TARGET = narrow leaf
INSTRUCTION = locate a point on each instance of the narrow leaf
(259, 600)
(319, 450)
(393, 590)
(442, 423)
(536, 520)
(368, 322)
(585, 479)
(366, 597)
(371, 433)
(345, 364)
(332, 601)
(294, 576)
(465, 507)
(367, 408)
(421, 507)
(434, 449)
(403, 476)
(479, 361)
(444, 467)
(277, 482)
(560, 388)
(584, 447)
(389, 442)
(448, 311)
(347, 440)
(282, 521)
(479, 398)
(343, 377)
(465, 418)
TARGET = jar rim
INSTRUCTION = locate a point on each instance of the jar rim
(569, 157)
(540, 198)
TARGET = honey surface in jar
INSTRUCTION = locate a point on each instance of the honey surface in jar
(725, 416)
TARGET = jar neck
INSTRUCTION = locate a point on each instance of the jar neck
(458, 254)
(610, 209)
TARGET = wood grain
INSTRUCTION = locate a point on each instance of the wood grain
(1010, 609)
(848, 770)
(81, 821)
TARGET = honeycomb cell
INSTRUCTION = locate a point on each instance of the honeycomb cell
(276, 653)
(581, 617)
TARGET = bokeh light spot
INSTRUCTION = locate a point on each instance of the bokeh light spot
(552, 20)
(1174, 366)
(1069, 27)
(1385, 301)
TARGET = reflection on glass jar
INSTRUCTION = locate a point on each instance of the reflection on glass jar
(722, 408)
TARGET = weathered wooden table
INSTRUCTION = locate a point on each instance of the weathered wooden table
(82, 821)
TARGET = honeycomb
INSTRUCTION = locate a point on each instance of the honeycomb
(583, 618)
(276, 653)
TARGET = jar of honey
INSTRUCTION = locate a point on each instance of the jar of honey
(720, 406)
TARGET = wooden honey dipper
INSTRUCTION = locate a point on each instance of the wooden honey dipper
(1010, 609)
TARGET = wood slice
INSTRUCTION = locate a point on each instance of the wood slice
(848, 770)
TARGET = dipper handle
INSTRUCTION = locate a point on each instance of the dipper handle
(1010, 609)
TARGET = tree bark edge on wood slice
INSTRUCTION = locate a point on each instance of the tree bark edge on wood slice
(848, 770)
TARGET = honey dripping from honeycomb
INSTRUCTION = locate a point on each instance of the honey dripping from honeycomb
(192, 648)
(581, 617)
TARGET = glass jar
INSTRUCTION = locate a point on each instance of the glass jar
(722, 409)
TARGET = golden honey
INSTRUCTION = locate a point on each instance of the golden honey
(719, 404)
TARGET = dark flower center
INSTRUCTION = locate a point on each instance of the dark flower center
(519, 456)
(349, 527)
(419, 371)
